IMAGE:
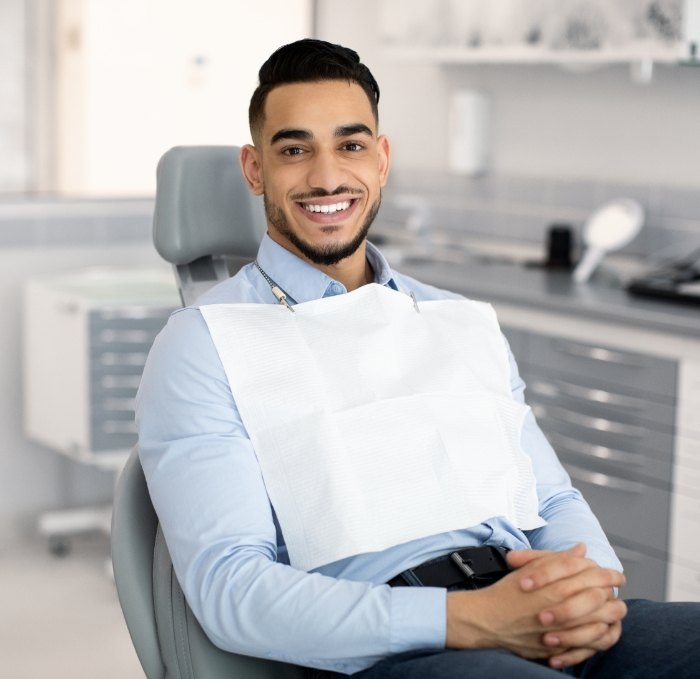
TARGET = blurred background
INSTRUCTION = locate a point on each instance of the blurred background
(508, 118)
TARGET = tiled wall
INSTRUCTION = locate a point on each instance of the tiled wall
(46, 222)
(522, 208)
(513, 209)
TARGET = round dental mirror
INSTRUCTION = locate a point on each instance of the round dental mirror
(609, 228)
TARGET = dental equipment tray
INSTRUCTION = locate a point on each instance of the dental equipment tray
(679, 282)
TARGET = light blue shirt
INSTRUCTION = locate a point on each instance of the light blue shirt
(226, 546)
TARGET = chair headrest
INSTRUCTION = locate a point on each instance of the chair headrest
(203, 205)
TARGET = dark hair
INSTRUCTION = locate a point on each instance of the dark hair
(309, 60)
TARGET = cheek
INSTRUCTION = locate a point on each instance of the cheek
(372, 182)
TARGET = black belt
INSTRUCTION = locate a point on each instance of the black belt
(470, 568)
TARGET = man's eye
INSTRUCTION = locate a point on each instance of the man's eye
(292, 151)
(352, 146)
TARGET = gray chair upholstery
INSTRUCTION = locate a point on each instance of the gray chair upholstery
(206, 224)
(134, 526)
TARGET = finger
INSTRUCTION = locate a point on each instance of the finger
(612, 611)
(573, 608)
(597, 636)
(610, 638)
(577, 637)
(570, 658)
(571, 596)
(518, 558)
(585, 595)
(573, 656)
(555, 566)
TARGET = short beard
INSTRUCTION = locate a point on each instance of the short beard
(330, 254)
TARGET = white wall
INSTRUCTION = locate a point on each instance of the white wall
(546, 122)
(135, 78)
(14, 151)
(597, 125)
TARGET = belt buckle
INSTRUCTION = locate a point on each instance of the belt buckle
(478, 570)
(463, 565)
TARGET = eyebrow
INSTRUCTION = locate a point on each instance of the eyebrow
(307, 135)
(304, 135)
(354, 128)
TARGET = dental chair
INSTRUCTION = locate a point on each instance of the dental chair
(207, 225)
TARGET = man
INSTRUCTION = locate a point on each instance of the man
(247, 458)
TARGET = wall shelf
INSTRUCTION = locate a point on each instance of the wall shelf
(456, 55)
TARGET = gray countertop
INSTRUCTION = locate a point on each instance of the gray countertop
(603, 298)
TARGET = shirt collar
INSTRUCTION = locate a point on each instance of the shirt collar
(303, 282)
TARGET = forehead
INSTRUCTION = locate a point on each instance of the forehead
(317, 106)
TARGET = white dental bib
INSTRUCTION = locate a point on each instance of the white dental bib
(375, 424)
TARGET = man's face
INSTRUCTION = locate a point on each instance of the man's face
(320, 167)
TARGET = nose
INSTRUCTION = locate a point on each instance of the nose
(326, 172)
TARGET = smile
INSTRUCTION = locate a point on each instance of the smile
(333, 207)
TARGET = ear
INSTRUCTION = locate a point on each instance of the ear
(252, 169)
(384, 157)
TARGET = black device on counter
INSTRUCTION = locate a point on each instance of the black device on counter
(677, 281)
(559, 248)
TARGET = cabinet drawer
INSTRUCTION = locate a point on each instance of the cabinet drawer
(646, 575)
(633, 465)
(638, 453)
(581, 394)
(129, 318)
(640, 373)
(630, 510)
(111, 385)
(606, 429)
(119, 342)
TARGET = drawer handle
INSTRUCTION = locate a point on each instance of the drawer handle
(599, 452)
(110, 358)
(120, 381)
(597, 354)
(119, 427)
(597, 423)
(125, 405)
(604, 480)
(126, 336)
(136, 313)
(555, 389)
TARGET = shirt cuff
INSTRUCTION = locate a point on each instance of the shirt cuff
(418, 618)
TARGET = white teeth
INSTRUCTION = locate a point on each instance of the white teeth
(335, 207)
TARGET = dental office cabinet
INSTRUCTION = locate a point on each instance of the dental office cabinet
(86, 338)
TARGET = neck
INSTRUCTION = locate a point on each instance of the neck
(353, 272)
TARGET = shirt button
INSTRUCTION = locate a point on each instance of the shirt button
(335, 288)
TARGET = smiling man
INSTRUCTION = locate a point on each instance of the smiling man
(320, 166)
(351, 481)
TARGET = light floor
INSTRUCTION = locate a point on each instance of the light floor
(59, 617)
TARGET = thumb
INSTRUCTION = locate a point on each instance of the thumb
(521, 557)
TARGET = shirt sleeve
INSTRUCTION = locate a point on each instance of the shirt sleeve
(209, 494)
(569, 517)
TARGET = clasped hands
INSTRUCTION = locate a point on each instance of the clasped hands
(558, 606)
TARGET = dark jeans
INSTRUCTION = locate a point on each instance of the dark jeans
(658, 640)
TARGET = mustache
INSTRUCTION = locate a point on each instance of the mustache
(321, 193)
